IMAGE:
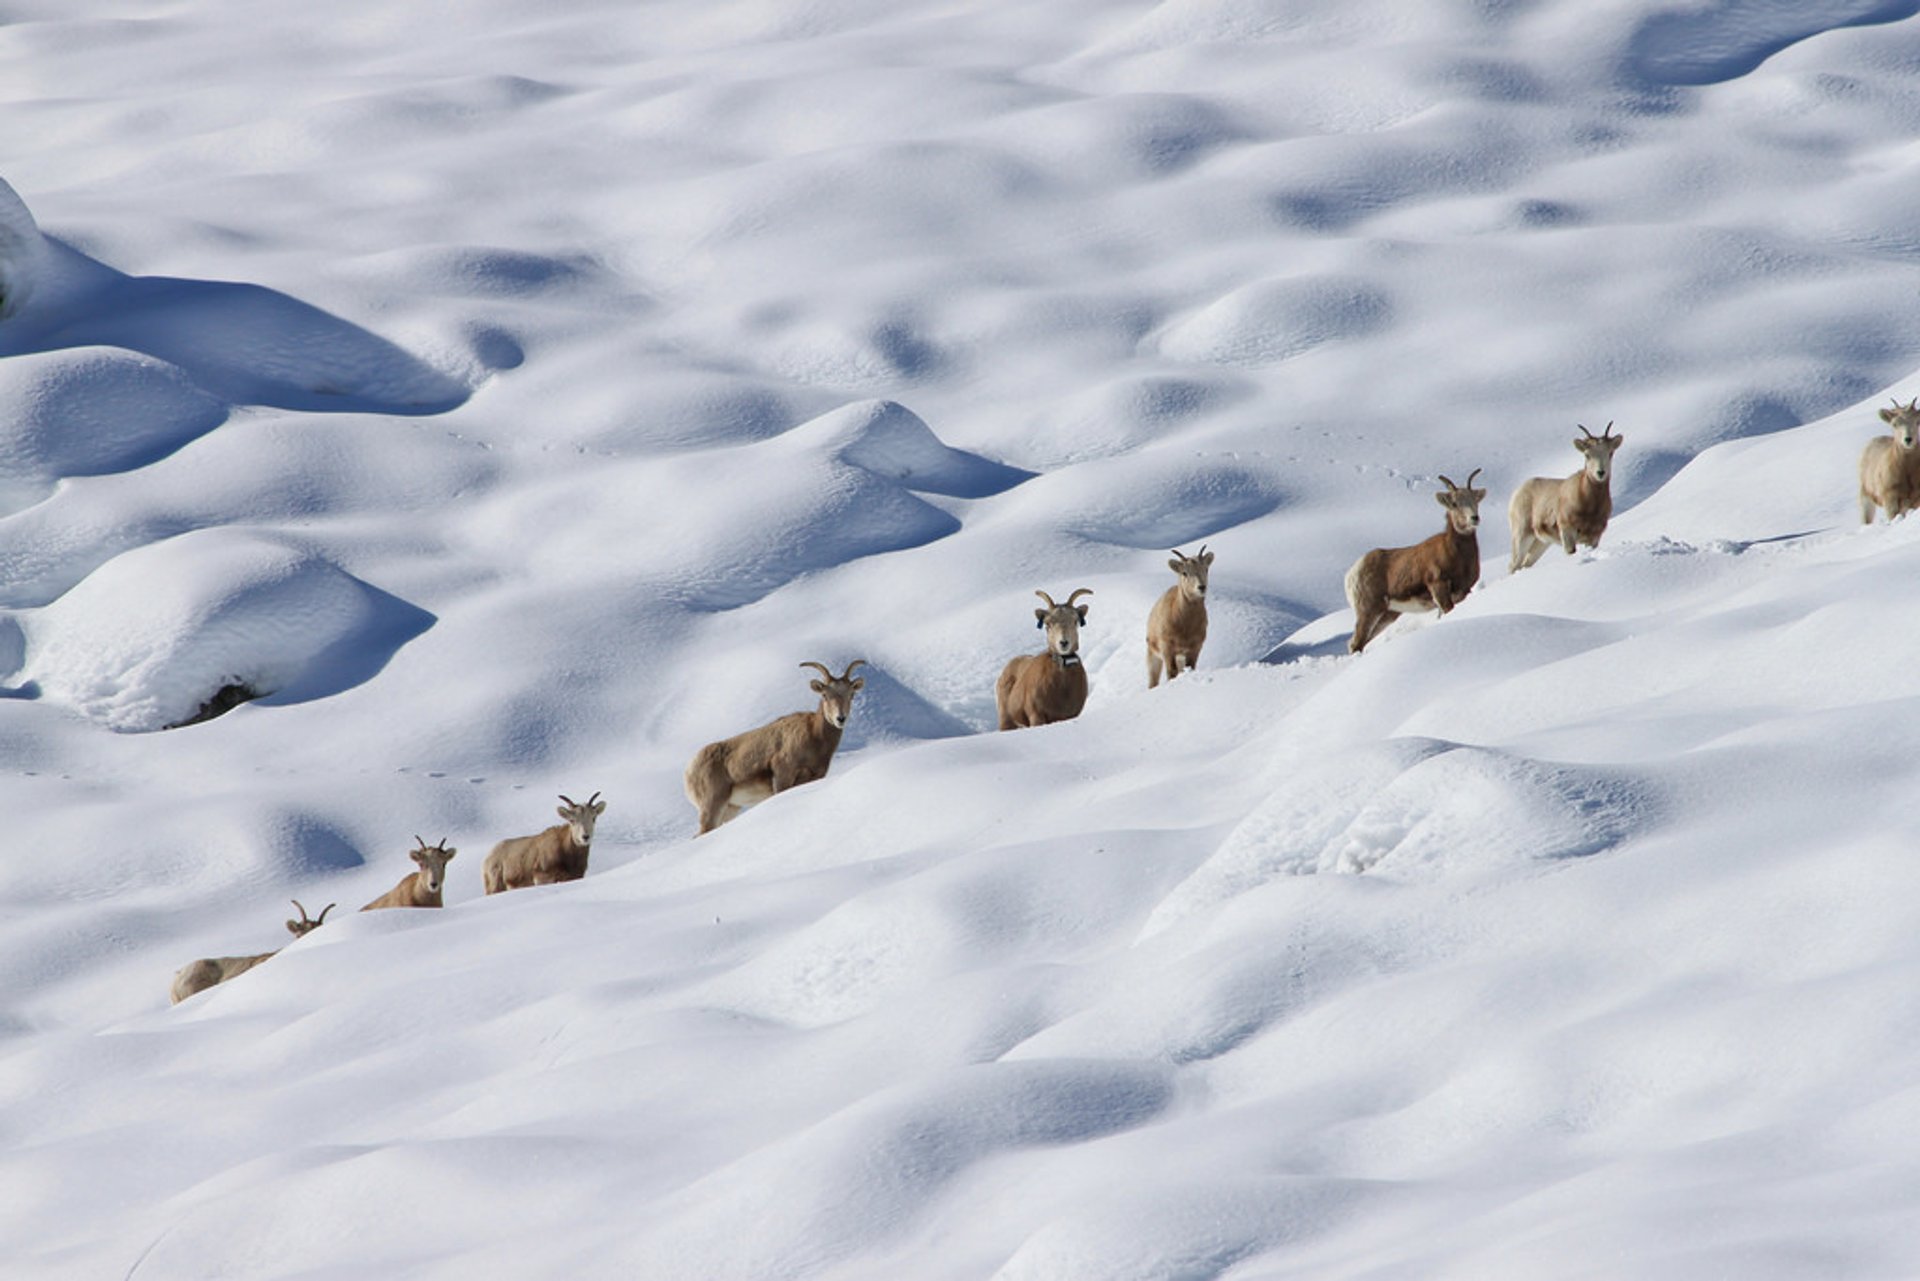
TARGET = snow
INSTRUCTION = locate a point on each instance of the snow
(516, 399)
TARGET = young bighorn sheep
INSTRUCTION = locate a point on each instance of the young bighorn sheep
(1890, 466)
(1039, 689)
(1546, 510)
(1390, 581)
(422, 888)
(726, 777)
(557, 854)
(1177, 627)
(198, 976)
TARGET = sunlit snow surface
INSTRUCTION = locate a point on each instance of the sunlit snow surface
(516, 395)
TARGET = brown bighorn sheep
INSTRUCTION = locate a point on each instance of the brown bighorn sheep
(422, 888)
(1039, 689)
(557, 854)
(1546, 510)
(1890, 466)
(726, 777)
(1177, 627)
(198, 976)
(1390, 581)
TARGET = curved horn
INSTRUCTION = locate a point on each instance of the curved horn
(1051, 603)
(823, 668)
(1476, 471)
(1182, 555)
(569, 800)
(858, 662)
(1201, 554)
(1609, 431)
(592, 799)
(321, 919)
(1448, 483)
(1078, 592)
(303, 911)
(1584, 431)
(417, 842)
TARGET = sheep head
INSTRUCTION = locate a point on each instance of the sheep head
(1598, 450)
(433, 860)
(1462, 503)
(836, 692)
(1905, 421)
(580, 818)
(306, 925)
(1062, 624)
(1192, 571)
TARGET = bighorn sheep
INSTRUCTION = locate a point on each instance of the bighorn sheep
(726, 777)
(198, 976)
(557, 854)
(1177, 627)
(1546, 510)
(1435, 574)
(422, 888)
(1890, 466)
(1039, 689)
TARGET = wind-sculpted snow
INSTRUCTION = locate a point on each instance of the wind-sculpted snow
(149, 638)
(517, 402)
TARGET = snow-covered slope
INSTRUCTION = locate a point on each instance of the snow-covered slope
(515, 398)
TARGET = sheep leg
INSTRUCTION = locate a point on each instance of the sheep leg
(1153, 669)
(1867, 508)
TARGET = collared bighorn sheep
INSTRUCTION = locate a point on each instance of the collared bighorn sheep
(1890, 466)
(1569, 511)
(725, 777)
(422, 888)
(198, 976)
(1177, 627)
(557, 854)
(1435, 574)
(1039, 689)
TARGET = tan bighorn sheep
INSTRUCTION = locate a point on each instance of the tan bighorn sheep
(1177, 627)
(1390, 581)
(1890, 466)
(726, 777)
(198, 976)
(422, 888)
(1039, 689)
(557, 854)
(1569, 511)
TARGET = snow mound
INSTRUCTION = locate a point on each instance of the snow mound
(1271, 321)
(148, 638)
(891, 441)
(23, 252)
(1703, 44)
(89, 410)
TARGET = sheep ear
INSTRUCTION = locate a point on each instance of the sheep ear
(1479, 495)
(1174, 565)
(816, 687)
(450, 852)
(599, 807)
(1206, 558)
(420, 857)
(564, 812)
(1444, 499)
(1041, 615)
(1082, 611)
(1618, 441)
(1886, 415)
(859, 683)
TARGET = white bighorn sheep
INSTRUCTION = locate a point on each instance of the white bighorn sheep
(1039, 689)
(726, 777)
(198, 976)
(1177, 627)
(1569, 511)
(558, 853)
(1890, 466)
(422, 888)
(1390, 581)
